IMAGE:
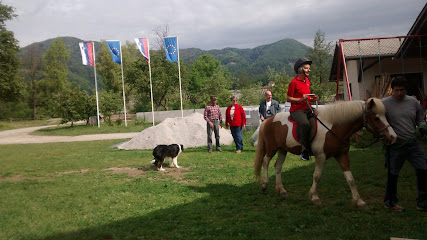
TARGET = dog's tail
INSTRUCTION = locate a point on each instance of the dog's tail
(153, 161)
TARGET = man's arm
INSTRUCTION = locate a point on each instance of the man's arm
(205, 114)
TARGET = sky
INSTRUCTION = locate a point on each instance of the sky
(211, 24)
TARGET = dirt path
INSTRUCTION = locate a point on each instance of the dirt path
(22, 136)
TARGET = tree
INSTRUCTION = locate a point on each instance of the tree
(110, 102)
(281, 82)
(208, 77)
(33, 64)
(73, 104)
(320, 68)
(10, 86)
(55, 81)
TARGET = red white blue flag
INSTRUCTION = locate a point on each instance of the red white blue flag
(142, 44)
(86, 49)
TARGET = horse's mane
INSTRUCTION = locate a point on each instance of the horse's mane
(345, 111)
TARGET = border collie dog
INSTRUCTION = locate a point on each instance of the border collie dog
(166, 151)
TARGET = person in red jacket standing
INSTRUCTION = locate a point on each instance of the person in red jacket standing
(235, 117)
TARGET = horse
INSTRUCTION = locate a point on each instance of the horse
(342, 119)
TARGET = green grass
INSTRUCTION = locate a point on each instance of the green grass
(77, 130)
(213, 196)
(8, 125)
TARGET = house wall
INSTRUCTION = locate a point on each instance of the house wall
(388, 65)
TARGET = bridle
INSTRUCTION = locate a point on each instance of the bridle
(377, 132)
(365, 112)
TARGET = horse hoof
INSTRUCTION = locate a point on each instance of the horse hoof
(284, 194)
(361, 204)
(264, 187)
(316, 201)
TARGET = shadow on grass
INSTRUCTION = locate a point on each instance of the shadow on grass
(228, 211)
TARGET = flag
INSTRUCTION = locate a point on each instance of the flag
(86, 49)
(114, 47)
(171, 49)
(142, 44)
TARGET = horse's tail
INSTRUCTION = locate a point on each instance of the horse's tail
(260, 152)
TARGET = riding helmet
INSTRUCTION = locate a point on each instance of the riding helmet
(300, 62)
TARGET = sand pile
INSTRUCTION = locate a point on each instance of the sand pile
(189, 131)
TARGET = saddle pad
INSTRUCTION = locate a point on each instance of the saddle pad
(295, 128)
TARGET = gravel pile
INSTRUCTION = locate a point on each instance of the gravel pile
(189, 131)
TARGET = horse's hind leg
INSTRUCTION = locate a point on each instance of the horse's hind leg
(344, 162)
(264, 181)
(318, 170)
(278, 167)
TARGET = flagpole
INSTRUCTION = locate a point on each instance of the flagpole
(179, 74)
(96, 84)
(151, 85)
(123, 83)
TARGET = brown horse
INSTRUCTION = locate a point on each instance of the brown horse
(343, 119)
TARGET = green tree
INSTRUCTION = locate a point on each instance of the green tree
(10, 86)
(55, 81)
(32, 63)
(321, 55)
(207, 77)
(252, 94)
(281, 82)
(109, 103)
(73, 104)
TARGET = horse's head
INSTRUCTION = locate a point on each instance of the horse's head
(375, 121)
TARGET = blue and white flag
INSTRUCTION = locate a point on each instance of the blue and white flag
(114, 47)
(142, 44)
(171, 49)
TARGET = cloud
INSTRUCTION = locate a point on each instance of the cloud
(212, 24)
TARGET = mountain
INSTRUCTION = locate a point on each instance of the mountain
(253, 62)
(242, 63)
(78, 73)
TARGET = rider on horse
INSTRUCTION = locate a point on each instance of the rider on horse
(299, 95)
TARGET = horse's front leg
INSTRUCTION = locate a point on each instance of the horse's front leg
(318, 170)
(264, 181)
(278, 167)
(344, 162)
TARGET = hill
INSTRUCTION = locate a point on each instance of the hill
(80, 74)
(242, 63)
(253, 62)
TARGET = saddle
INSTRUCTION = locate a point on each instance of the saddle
(296, 129)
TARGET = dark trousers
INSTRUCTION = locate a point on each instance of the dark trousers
(236, 132)
(301, 118)
(395, 157)
(215, 129)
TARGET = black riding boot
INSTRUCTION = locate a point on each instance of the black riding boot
(422, 188)
(390, 198)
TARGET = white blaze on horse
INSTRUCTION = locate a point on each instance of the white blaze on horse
(343, 119)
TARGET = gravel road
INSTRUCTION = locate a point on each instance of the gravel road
(22, 136)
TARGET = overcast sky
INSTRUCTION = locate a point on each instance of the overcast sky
(211, 24)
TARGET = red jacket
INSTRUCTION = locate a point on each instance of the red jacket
(239, 119)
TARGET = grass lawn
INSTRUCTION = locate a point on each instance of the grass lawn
(87, 190)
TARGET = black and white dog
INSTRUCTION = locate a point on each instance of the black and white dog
(166, 151)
